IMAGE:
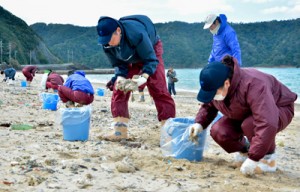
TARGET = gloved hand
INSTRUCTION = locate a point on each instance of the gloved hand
(194, 130)
(140, 80)
(120, 83)
(110, 85)
(248, 167)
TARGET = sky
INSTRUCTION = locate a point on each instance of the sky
(87, 12)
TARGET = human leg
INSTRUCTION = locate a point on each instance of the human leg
(156, 84)
(228, 134)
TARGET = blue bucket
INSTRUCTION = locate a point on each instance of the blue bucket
(50, 101)
(23, 84)
(182, 147)
(100, 92)
(76, 123)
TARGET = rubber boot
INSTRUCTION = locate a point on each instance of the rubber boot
(120, 131)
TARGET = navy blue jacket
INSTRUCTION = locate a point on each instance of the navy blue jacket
(136, 45)
(10, 73)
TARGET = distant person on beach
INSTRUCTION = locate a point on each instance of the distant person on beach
(53, 81)
(9, 75)
(77, 90)
(29, 72)
(171, 74)
(255, 107)
(132, 45)
(225, 41)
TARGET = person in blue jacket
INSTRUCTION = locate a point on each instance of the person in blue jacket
(9, 74)
(132, 44)
(225, 41)
(77, 90)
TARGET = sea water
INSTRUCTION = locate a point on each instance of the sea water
(189, 78)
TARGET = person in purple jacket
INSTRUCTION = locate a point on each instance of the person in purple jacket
(225, 41)
(255, 107)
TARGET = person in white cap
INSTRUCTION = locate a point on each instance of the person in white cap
(225, 41)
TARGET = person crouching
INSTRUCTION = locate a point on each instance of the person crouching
(77, 90)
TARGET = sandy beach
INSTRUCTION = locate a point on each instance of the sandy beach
(39, 159)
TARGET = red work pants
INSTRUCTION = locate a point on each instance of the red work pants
(228, 133)
(67, 94)
(157, 88)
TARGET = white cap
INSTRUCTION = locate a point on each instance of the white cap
(209, 20)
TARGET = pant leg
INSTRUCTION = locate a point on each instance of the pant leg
(67, 94)
(119, 99)
(286, 115)
(48, 85)
(173, 89)
(228, 134)
(170, 88)
(157, 87)
(28, 75)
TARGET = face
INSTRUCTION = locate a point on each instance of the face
(115, 38)
(214, 25)
(224, 90)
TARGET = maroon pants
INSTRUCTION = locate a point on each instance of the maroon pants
(228, 133)
(157, 88)
(67, 94)
(50, 85)
(28, 75)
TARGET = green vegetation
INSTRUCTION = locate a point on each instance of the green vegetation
(20, 44)
(186, 45)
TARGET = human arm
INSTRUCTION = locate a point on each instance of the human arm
(206, 114)
(233, 43)
(211, 57)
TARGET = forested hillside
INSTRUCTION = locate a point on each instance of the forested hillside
(19, 43)
(186, 45)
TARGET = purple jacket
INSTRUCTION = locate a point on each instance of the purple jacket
(251, 93)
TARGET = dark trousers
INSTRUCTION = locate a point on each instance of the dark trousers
(171, 88)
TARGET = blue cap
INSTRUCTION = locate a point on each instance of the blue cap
(105, 28)
(212, 77)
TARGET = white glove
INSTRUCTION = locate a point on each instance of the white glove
(248, 167)
(194, 130)
(120, 83)
(140, 80)
(120, 78)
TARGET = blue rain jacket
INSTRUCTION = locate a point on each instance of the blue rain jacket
(78, 82)
(136, 45)
(10, 73)
(225, 42)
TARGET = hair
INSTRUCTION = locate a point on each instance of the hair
(2, 72)
(71, 72)
(228, 61)
(217, 19)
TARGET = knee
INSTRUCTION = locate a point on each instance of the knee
(219, 135)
